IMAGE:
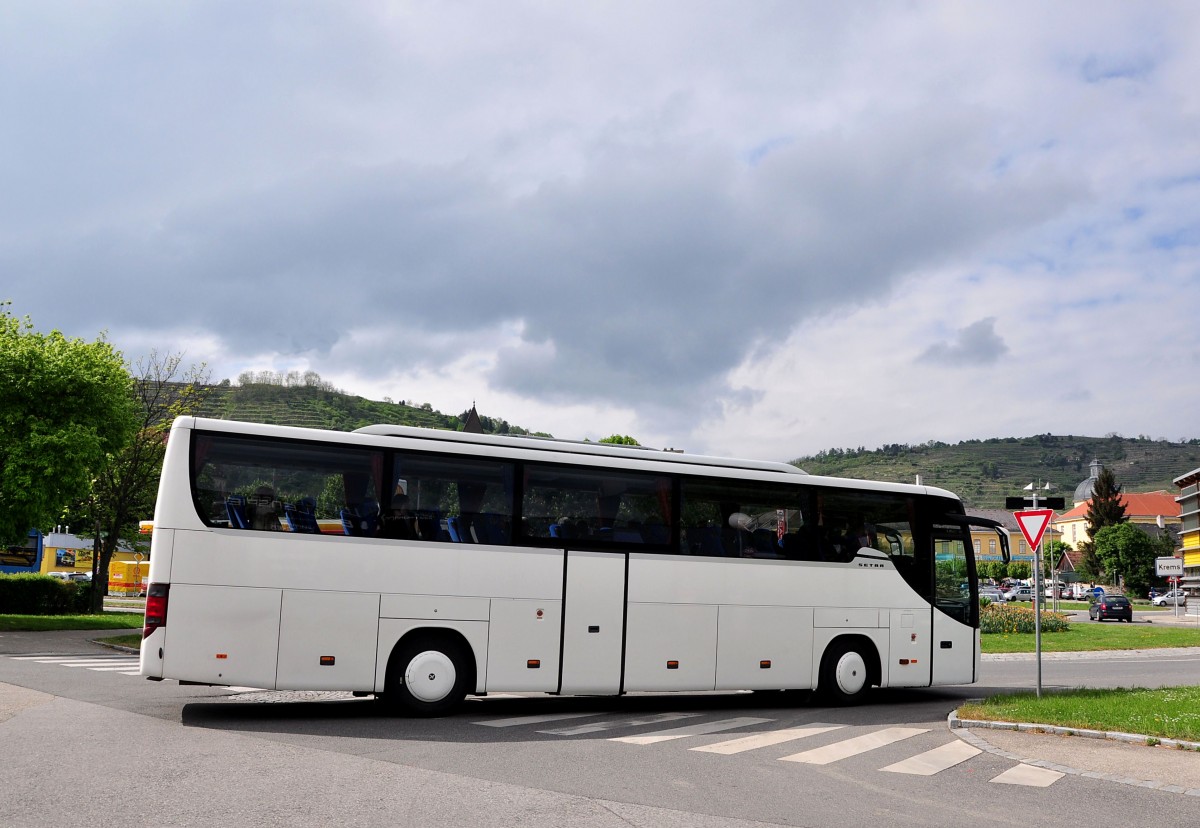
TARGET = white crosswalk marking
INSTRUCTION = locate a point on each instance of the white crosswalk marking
(855, 746)
(1029, 775)
(114, 669)
(597, 727)
(517, 721)
(76, 660)
(936, 760)
(689, 730)
(761, 740)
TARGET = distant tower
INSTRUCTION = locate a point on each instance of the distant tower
(473, 424)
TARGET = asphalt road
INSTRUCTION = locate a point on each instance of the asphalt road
(86, 744)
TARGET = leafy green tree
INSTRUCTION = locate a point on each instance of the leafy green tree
(1020, 570)
(64, 407)
(126, 482)
(1126, 551)
(620, 440)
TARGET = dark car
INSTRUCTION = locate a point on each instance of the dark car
(1111, 606)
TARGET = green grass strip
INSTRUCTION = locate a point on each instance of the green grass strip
(1110, 635)
(43, 623)
(1168, 713)
(133, 641)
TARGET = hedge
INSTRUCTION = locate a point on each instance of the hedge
(29, 594)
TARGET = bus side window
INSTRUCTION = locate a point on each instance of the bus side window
(596, 508)
(450, 499)
(722, 518)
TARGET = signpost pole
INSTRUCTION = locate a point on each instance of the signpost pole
(1038, 598)
(1033, 523)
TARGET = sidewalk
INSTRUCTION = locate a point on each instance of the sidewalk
(1122, 758)
(56, 641)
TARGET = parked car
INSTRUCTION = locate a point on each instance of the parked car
(1111, 606)
(1021, 593)
(1175, 596)
(72, 576)
(992, 594)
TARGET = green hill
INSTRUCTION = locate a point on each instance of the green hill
(984, 472)
(320, 406)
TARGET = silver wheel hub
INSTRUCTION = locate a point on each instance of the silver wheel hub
(851, 673)
(430, 676)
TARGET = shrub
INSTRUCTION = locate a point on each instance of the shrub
(1008, 618)
(30, 594)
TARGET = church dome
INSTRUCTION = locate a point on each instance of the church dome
(1085, 489)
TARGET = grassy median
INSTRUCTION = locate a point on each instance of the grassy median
(1110, 635)
(1167, 713)
(43, 623)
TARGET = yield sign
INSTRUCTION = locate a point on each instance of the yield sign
(1033, 523)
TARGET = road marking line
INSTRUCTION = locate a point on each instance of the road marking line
(855, 746)
(76, 659)
(597, 727)
(110, 669)
(690, 730)
(761, 740)
(936, 760)
(516, 721)
(1030, 776)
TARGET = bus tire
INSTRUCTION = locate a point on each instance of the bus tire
(846, 672)
(427, 675)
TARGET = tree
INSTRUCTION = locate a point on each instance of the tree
(126, 483)
(1128, 552)
(620, 440)
(64, 406)
(1020, 570)
(1104, 509)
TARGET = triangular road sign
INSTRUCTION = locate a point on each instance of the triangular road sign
(1033, 523)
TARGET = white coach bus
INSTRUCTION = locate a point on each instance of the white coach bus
(427, 565)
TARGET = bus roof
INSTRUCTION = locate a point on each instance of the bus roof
(575, 447)
(566, 448)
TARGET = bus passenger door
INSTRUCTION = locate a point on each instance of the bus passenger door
(593, 622)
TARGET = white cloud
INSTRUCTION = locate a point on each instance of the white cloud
(760, 231)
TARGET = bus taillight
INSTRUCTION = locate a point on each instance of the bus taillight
(156, 608)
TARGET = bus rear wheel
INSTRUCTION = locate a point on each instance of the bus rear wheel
(427, 676)
(845, 675)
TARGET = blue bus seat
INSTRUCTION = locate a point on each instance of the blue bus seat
(235, 508)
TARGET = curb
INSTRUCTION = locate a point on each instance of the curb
(959, 728)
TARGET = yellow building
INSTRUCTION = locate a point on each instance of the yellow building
(1189, 530)
(68, 553)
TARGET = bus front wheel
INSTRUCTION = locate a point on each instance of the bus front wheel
(845, 675)
(427, 677)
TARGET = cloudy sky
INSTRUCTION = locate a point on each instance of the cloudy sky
(751, 228)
